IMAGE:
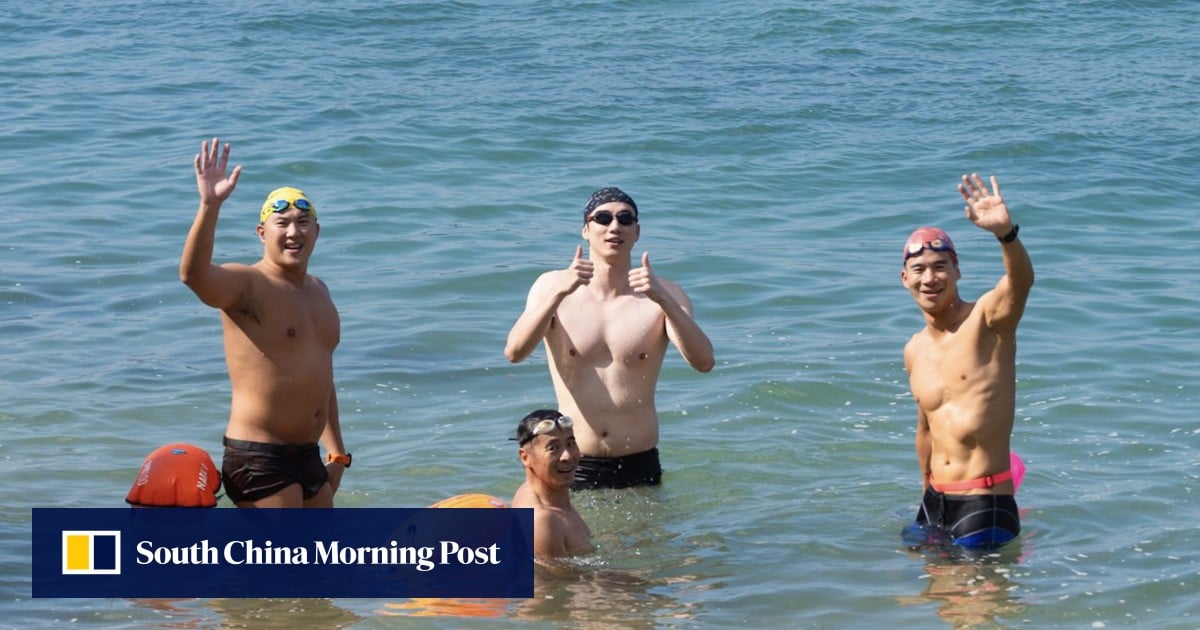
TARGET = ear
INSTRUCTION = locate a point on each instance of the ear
(262, 231)
(524, 455)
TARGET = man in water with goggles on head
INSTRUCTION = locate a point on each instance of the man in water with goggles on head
(550, 455)
(280, 328)
(606, 326)
(962, 371)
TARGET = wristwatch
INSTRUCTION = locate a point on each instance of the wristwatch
(1011, 236)
(343, 459)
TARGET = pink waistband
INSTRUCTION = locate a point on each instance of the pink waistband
(972, 484)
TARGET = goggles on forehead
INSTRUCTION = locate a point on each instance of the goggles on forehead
(281, 205)
(936, 245)
(547, 425)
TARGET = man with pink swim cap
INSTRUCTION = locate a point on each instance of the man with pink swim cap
(962, 372)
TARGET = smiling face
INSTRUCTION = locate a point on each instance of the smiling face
(931, 277)
(552, 457)
(614, 238)
(289, 237)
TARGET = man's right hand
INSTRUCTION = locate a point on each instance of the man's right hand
(211, 163)
(578, 273)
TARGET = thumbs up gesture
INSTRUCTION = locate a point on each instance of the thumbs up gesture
(642, 280)
(578, 273)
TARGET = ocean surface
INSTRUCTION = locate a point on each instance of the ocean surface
(779, 153)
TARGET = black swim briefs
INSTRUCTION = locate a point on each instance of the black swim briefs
(639, 469)
(976, 521)
(255, 470)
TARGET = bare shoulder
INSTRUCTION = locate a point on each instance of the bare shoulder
(545, 280)
(912, 347)
(522, 498)
(675, 290)
(320, 284)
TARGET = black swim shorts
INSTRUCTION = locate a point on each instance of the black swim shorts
(976, 521)
(255, 470)
(639, 469)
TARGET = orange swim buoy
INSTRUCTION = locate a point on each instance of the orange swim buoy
(457, 606)
(471, 500)
(176, 475)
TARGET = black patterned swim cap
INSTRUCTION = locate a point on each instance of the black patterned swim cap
(607, 195)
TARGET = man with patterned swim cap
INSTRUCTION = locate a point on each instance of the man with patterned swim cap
(962, 372)
(606, 326)
(280, 328)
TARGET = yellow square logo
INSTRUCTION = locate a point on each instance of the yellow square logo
(91, 552)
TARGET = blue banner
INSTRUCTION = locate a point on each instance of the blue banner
(342, 552)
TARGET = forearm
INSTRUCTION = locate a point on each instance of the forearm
(686, 334)
(924, 456)
(197, 255)
(1017, 264)
(531, 328)
(331, 437)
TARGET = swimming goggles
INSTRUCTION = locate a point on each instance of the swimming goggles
(604, 217)
(547, 425)
(936, 245)
(303, 204)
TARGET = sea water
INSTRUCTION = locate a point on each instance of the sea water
(779, 153)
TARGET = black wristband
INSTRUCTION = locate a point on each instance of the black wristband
(1011, 236)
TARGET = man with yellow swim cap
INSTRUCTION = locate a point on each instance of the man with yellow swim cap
(281, 328)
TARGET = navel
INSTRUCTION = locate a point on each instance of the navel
(643, 356)
(572, 352)
(291, 332)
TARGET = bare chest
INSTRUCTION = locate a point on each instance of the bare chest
(951, 367)
(626, 329)
(280, 316)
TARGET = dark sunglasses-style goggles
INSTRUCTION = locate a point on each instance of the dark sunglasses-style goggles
(604, 217)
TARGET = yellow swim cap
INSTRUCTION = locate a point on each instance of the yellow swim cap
(281, 199)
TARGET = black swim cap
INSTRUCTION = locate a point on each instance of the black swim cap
(607, 195)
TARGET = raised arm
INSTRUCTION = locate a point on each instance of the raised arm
(682, 329)
(1003, 305)
(544, 297)
(215, 286)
